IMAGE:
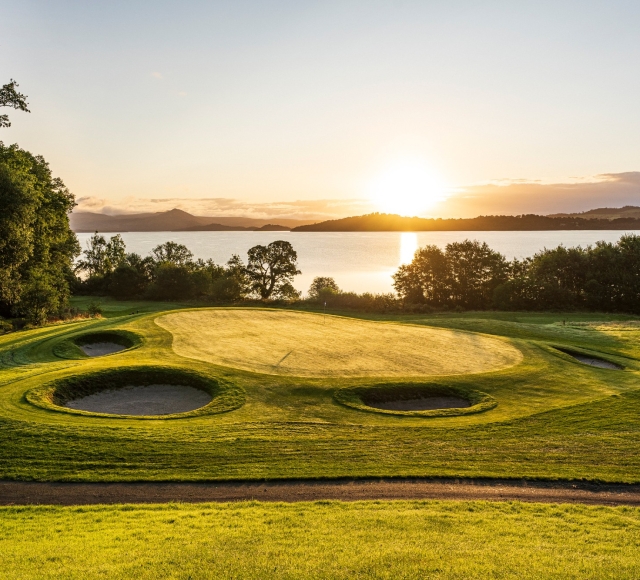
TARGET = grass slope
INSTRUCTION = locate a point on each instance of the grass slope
(555, 418)
(322, 540)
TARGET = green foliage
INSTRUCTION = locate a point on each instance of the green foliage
(36, 244)
(172, 253)
(10, 97)
(322, 286)
(270, 270)
(469, 275)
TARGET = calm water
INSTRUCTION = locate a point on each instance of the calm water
(359, 261)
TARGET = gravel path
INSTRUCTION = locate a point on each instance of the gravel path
(30, 493)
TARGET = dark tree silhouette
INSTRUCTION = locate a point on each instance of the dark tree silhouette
(9, 97)
(270, 270)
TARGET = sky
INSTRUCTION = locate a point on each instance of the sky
(324, 109)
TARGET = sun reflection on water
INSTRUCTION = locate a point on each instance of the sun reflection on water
(408, 246)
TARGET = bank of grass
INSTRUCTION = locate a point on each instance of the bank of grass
(555, 418)
(329, 540)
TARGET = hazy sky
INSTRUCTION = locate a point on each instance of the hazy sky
(200, 103)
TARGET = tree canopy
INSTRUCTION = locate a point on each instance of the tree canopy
(37, 246)
(10, 97)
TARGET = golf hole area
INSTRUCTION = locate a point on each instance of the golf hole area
(587, 359)
(138, 392)
(96, 344)
(414, 399)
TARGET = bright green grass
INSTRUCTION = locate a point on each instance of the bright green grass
(555, 418)
(388, 540)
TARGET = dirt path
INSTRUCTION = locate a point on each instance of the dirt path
(30, 493)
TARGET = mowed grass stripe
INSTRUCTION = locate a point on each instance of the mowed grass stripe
(312, 345)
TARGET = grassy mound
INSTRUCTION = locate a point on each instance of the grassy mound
(362, 397)
(54, 395)
(310, 345)
(69, 348)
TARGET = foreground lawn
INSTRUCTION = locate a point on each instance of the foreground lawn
(555, 418)
(321, 540)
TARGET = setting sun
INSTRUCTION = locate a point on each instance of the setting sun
(407, 188)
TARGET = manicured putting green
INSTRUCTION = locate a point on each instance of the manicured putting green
(311, 345)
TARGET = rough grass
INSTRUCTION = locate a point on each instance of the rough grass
(555, 418)
(311, 345)
(332, 540)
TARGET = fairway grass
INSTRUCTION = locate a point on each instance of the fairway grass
(329, 540)
(312, 345)
(554, 418)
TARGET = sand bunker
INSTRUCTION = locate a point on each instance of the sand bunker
(422, 404)
(101, 348)
(146, 400)
(591, 361)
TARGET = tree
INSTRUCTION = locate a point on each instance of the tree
(172, 253)
(41, 296)
(270, 270)
(9, 97)
(426, 279)
(127, 282)
(34, 229)
(321, 286)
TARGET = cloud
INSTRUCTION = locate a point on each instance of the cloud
(520, 196)
(318, 209)
(182, 94)
(506, 197)
(157, 75)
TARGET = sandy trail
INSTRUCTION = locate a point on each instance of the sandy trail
(33, 493)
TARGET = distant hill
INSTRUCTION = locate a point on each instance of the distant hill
(174, 220)
(609, 213)
(382, 222)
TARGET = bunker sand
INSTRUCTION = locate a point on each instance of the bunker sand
(302, 344)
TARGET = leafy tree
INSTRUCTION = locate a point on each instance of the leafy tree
(9, 97)
(172, 282)
(41, 295)
(270, 270)
(102, 257)
(34, 230)
(425, 279)
(127, 282)
(321, 287)
(172, 253)
(475, 270)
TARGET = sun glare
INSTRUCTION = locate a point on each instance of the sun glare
(407, 188)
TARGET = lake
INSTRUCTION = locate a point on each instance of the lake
(359, 261)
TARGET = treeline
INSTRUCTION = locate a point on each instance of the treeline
(471, 276)
(172, 273)
(37, 247)
(383, 222)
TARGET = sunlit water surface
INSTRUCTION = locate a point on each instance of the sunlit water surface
(359, 261)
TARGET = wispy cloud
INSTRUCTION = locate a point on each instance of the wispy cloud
(514, 197)
(505, 197)
(157, 75)
(221, 206)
